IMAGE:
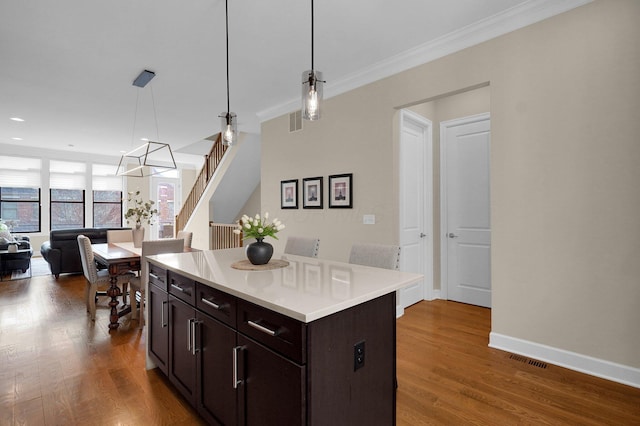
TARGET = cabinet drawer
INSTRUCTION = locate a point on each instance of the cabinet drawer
(278, 332)
(216, 303)
(158, 276)
(182, 287)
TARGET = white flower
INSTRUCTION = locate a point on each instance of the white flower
(247, 225)
(257, 216)
(280, 227)
(260, 230)
(236, 231)
(266, 215)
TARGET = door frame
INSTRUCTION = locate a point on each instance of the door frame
(427, 161)
(444, 225)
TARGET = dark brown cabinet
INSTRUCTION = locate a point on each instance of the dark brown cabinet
(158, 327)
(217, 397)
(242, 364)
(182, 358)
(272, 391)
(158, 319)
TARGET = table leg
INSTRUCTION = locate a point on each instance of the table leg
(113, 292)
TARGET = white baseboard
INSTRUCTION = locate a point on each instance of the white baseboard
(571, 360)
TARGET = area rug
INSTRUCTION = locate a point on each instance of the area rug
(39, 267)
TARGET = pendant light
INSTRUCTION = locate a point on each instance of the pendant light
(152, 157)
(311, 86)
(228, 120)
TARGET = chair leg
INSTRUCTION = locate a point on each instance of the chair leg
(125, 289)
(141, 322)
(91, 300)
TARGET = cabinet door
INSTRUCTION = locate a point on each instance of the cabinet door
(273, 388)
(182, 359)
(158, 328)
(216, 393)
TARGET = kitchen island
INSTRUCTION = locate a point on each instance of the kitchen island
(309, 343)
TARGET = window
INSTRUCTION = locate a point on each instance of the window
(107, 197)
(67, 182)
(20, 208)
(20, 193)
(107, 209)
(67, 208)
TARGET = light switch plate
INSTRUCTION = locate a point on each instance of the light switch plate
(369, 219)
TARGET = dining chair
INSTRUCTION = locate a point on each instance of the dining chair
(378, 255)
(302, 246)
(119, 235)
(139, 283)
(93, 275)
(186, 236)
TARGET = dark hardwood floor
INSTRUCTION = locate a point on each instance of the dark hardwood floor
(57, 367)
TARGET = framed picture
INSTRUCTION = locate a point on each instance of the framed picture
(312, 193)
(341, 191)
(289, 194)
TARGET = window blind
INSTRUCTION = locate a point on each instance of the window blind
(104, 178)
(20, 172)
(67, 175)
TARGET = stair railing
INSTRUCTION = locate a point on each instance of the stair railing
(212, 160)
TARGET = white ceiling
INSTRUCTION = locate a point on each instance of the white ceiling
(66, 66)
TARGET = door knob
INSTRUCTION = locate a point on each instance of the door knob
(422, 235)
(452, 235)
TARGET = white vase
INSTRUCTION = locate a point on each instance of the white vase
(138, 236)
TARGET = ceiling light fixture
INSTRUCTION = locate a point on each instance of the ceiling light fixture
(152, 157)
(228, 120)
(311, 86)
(16, 119)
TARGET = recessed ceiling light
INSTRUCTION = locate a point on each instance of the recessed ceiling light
(144, 139)
(17, 139)
(17, 119)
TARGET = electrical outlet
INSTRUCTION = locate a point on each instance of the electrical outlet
(358, 356)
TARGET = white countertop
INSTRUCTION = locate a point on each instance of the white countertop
(306, 290)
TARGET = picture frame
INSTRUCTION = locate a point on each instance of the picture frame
(289, 194)
(312, 192)
(341, 191)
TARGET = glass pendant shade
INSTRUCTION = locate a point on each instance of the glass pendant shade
(311, 94)
(229, 128)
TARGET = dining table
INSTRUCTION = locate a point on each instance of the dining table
(118, 258)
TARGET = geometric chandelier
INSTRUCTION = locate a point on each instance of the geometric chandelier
(149, 159)
(152, 157)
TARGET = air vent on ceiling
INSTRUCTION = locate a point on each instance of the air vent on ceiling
(295, 121)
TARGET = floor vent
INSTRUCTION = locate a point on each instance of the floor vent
(529, 361)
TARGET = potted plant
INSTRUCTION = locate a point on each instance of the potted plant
(139, 211)
(260, 252)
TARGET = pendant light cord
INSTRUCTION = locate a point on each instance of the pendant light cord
(155, 116)
(226, 12)
(312, 67)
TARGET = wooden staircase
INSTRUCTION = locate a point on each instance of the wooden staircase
(212, 160)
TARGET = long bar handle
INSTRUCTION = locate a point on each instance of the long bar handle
(177, 287)
(210, 303)
(236, 381)
(189, 344)
(164, 303)
(194, 346)
(262, 328)
(154, 276)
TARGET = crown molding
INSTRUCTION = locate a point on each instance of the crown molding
(505, 22)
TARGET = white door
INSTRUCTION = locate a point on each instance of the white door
(466, 239)
(416, 236)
